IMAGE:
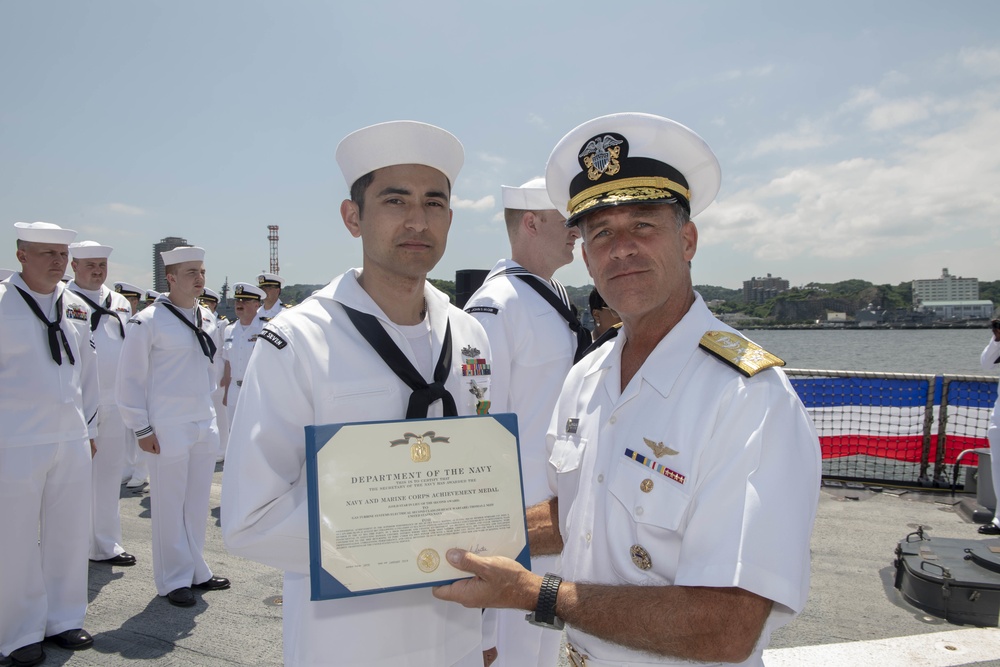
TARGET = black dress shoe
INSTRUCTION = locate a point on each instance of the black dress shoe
(74, 640)
(123, 559)
(181, 597)
(213, 584)
(26, 656)
(989, 529)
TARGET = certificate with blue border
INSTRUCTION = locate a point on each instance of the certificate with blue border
(388, 499)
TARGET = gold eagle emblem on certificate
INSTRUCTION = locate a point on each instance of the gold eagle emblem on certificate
(659, 449)
(428, 560)
(745, 356)
(420, 451)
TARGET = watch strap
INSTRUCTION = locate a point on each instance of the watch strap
(545, 608)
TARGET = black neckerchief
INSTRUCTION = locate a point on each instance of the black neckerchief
(608, 334)
(98, 311)
(534, 282)
(55, 331)
(206, 342)
(423, 393)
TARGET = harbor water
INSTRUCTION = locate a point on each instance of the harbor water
(933, 351)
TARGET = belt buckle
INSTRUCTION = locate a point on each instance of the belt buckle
(575, 657)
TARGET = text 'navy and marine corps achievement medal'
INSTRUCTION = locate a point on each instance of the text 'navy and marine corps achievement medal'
(420, 451)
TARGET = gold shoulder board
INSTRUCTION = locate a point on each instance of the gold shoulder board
(748, 358)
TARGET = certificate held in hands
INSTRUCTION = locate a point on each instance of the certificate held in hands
(388, 499)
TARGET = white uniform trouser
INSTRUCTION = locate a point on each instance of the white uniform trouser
(45, 534)
(993, 435)
(521, 644)
(223, 419)
(109, 463)
(234, 393)
(180, 482)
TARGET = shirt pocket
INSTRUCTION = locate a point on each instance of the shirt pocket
(649, 498)
(567, 452)
(356, 403)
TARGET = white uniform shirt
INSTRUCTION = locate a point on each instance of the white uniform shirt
(44, 402)
(107, 336)
(164, 377)
(533, 344)
(238, 344)
(732, 500)
(218, 336)
(320, 370)
(988, 361)
(266, 314)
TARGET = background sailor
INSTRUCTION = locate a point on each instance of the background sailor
(239, 340)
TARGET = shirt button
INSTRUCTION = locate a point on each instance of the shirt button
(600, 478)
(588, 536)
(638, 511)
(613, 419)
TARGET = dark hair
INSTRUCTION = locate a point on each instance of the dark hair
(597, 302)
(358, 191)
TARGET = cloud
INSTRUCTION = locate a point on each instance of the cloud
(931, 189)
(483, 204)
(125, 209)
(754, 72)
(489, 158)
(804, 137)
(984, 62)
(897, 113)
(536, 120)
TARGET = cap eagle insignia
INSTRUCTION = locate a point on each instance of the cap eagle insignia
(600, 156)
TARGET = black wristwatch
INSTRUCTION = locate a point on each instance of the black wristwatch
(545, 609)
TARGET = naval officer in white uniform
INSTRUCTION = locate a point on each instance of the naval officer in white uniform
(165, 384)
(136, 472)
(49, 398)
(271, 283)
(312, 365)
(528, 318)
(109, 312)
(238, 342)
(686, 469)
(210, 300)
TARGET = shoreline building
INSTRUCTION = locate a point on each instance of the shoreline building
(165, 244)
(759, 290)
(945, 288)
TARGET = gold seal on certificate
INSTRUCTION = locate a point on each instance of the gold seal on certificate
(385, 496)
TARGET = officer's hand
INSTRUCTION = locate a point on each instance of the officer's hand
(489, 655)
(150, 444)
(498, 582)
(93, 448)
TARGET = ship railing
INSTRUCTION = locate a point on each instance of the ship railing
(902, 429)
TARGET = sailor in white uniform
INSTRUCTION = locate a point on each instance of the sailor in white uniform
(313, 365)
(239, 340)
(6, 273)
(271, 283)
(165, 384)
(686, 469)
(136, 473)
(989, 360)
(150, 296)
(210, 300)
(529, 320)
(49, 397)
(109, 311)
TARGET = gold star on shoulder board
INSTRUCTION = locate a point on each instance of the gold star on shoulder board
(659, 449)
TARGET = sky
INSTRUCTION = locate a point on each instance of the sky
(857, 139)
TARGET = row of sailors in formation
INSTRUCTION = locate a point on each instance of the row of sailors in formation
(99, 374)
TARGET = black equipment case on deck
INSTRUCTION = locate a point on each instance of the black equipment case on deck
(957, 580)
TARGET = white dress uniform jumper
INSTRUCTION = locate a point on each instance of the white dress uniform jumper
(109, 313)
(534, 347)
(313, 366)
(49, 397)
(165, 385)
